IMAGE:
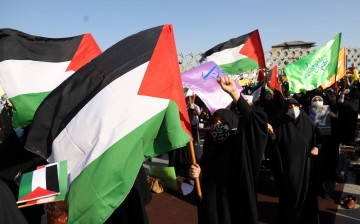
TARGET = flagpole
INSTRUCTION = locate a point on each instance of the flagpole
(193, 158)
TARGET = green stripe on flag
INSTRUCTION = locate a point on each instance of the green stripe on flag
(26, 185)
(24, 107)
(119, 165)
(62, 180)
(240, 66)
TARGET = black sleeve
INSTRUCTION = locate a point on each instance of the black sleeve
(243, 107)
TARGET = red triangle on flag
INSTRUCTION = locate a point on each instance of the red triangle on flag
(39, 192)
(253, 49)
(87, 50)
(162, 78)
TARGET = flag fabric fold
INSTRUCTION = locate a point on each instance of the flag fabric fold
(202, 80)
(311, 71)
(31, 66)
(238, 55)
(125, 105)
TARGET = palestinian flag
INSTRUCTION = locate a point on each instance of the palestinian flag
(314, 69)
(238, 55)
(62, 180)
(38, 184)
(126, 105)
(32, 66)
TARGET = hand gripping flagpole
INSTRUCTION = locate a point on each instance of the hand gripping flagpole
(197, 180)
(193, 160)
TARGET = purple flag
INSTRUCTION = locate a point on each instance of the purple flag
(202, 81)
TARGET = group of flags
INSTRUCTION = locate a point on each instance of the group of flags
(104, 112)
(122, 106)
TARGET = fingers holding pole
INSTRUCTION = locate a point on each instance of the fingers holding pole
(193, 160)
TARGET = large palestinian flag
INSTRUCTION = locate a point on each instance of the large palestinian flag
(125, 105)
(238, 55)
(32, 66)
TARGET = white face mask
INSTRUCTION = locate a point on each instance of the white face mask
(317, 103)
(294, 112)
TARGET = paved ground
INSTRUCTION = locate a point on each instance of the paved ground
(174, 208)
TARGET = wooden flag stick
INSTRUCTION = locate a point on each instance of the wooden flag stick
(193, 157)
(193, 160)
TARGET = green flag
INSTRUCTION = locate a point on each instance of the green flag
(311, 71)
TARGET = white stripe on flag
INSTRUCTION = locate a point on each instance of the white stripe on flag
(227, 55)
(110, 115)
(39, 179)
(25, 76)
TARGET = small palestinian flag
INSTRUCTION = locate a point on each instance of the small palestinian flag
(38, 184)
(238, 55)
(32, 66)
(63, 186)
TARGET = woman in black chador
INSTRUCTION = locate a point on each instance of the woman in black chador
(231, 162)
(296, 144)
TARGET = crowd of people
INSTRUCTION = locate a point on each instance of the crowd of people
(299, 134)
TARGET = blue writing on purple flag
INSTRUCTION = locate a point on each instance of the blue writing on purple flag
(214, 73)
(202, 81)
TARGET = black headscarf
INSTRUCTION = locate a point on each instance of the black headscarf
(230, 169)
(292, 163)
(290, 101)
(215, 167)
(229, 116)
(214, 151)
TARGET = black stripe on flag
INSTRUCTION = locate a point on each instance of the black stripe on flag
(17, 45)
(52, 178)
(226, 45)
(75, 92)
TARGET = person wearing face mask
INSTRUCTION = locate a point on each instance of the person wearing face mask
(230, 165)
(324, 120)
(214, 168)
(295, 144)
(320, 113)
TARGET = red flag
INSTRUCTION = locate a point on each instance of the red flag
(274, 81)
(351, 69)
(261, 75)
